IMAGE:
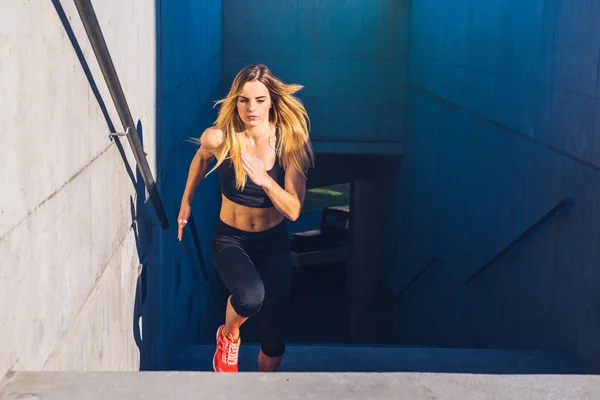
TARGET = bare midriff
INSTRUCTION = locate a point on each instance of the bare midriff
(249, 219)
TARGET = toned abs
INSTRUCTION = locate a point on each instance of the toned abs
(249, 219)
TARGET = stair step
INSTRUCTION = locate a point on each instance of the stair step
(254, 386)
(348, 358)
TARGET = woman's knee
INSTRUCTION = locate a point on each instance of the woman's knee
(273, 349)
(248, 299)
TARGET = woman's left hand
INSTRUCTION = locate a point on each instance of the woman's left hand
(255, 169)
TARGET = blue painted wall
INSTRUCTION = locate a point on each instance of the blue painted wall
(503, 121)
(498, 115)
(175, 300)
(350, 55)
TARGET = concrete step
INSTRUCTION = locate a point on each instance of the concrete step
(347, 358)
(265, 386)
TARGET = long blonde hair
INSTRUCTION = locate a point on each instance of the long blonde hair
(288, 115)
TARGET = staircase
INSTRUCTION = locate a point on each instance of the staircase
(328, 372)
(350, 358)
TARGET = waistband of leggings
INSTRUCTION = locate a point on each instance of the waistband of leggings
(226, 229)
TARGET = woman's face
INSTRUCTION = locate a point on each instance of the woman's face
(253, 104)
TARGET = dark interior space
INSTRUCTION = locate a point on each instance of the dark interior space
(335, 285)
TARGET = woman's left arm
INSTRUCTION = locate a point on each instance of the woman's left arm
(288, 200)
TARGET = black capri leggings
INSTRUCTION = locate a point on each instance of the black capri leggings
(256, 268)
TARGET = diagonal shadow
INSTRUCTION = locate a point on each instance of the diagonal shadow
(140, 224)
(88, 74)
(139, 220)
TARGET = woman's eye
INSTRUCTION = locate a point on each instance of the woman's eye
(261, 101)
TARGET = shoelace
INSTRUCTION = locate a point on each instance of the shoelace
(230, 351)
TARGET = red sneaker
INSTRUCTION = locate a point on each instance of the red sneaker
(226, 355)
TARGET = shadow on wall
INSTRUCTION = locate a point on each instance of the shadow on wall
(183, 298)
(138, 215)
(142, 230)
(86, 69)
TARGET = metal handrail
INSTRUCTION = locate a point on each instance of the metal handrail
(557, 210)
(196, 239)
(94, 33)
(416, 278)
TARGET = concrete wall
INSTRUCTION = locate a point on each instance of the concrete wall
(349, 55)
(503, 122)
(75, 229)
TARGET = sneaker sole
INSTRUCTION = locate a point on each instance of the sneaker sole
(215, 355)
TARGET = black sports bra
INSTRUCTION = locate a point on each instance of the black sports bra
(252, 195)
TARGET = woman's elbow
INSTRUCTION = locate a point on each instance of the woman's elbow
(294, 216)
(295, 213)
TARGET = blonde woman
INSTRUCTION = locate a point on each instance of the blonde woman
(261, 144)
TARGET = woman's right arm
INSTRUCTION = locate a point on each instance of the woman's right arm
(210, 140)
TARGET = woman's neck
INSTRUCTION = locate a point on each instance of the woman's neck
(259, 133)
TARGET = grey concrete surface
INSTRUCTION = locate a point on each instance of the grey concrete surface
(257, 386)
(69, 265)
(88, 279)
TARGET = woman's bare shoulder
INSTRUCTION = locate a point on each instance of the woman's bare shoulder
(211, 138)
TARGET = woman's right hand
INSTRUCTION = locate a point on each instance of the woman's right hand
(184, 215)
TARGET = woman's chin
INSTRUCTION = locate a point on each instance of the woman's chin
(252, 123)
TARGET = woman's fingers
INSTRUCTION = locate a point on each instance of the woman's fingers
(245, 159)
(251, 161)
(182, 223)
(257, 161)
(246, 165)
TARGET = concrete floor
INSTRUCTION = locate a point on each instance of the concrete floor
(203, 385)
